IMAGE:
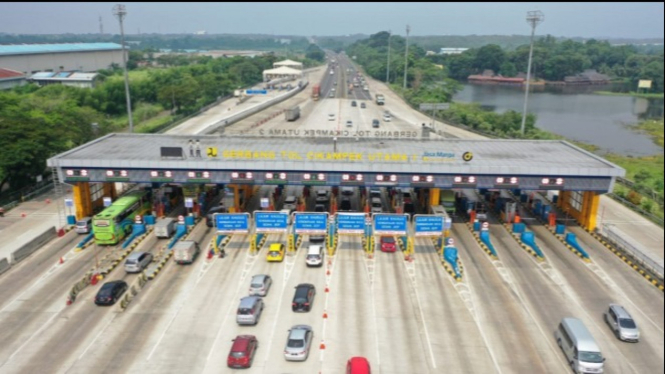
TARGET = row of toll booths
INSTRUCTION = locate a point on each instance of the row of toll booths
(503, 204)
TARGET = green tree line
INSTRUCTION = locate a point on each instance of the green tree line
(553, 60)
(428, 82)
(37, 123)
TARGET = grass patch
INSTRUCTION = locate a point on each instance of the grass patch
(634, 94)
(154, 124)
(653, 128)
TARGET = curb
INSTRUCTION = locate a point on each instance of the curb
(650, 278)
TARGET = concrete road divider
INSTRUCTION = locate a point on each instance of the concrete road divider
(134, 290)
(4, 265)
(30, 247)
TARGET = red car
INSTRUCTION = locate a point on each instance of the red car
(388, 244)
(358, 365)
(242, 352)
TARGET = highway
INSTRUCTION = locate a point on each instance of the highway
(405, 317)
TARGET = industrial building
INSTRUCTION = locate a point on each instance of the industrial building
(82, 57)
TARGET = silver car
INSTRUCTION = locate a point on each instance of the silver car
(137, 261)
(299, 343)
(622, 324)
(260, 285)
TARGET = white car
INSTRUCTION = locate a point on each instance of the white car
(386, 118)
(349, 123)
(290, 203)
(331, 117)
(314, 255)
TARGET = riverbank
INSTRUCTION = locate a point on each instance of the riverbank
(633, 94)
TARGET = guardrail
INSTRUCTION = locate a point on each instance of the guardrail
(250, 111)
(650, 216)
(616, 237)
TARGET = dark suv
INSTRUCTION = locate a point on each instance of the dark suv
(303, 298)
(375, 123)
(209, 216)
(110, 292)
(345, 204)
(353, 103)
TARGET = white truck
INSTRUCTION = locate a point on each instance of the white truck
(165, 228)
(380, 100)
(186, 251)
(292, 114)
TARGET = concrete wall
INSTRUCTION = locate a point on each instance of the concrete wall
(4, 265)
(33, 245)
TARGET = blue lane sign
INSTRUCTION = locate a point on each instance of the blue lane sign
(428, 225)
(256, 92)
(270, 221)
(310, 223)
(232, 223)
(393, 224)
(349, 223)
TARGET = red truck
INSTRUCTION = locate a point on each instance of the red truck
(316, 91)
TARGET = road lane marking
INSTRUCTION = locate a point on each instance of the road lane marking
(411, 272)
(33, 335)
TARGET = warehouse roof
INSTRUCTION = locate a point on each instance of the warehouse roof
(23, 49)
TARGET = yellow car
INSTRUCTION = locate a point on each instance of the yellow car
(276, 252)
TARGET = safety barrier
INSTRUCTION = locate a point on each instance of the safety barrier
(134, 289)
(650, 275)
(576, 249)
(251, 111)
(85, 243)
(489, 249)
(32, 246)
(453, 266)
(4, 265)
(519, 241)
(79, 286)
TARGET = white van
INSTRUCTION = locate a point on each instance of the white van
(83, 226)
(579, 347)
(164, 228)
(314, 255)
(377, 206)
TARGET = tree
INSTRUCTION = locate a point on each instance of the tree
(508, 69)
(489, 57)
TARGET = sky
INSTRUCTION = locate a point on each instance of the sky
(615, 20)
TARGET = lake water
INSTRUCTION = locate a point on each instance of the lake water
(577, 114)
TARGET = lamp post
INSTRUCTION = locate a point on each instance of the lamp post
(120, 12)
(390, 35)
(533, 18)
(406, 54)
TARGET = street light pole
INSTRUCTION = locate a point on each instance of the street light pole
(390, 35)
(533, 18)
(120, 12)
(406, 54)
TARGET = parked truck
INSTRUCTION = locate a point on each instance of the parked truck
(164, 228)
(380, 100)
(316, 91)
(185, 251)
(293, 113)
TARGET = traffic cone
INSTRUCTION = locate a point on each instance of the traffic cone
(323, 345)
(325, 314)
(69, 301)
(327, 289)
(48, 201)
(328, 272)
(62, 261)
(22, 215)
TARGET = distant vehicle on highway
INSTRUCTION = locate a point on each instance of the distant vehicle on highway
(362, 105)
(303, 297)
(357, 365)
(388, 244)
(276, 253)
(349, 123)
(137, 261)
(260, 285)
(354, 103)
(331, 117)
(375, 123)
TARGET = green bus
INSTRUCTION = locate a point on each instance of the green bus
(115, 222)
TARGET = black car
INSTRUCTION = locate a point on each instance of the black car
(209, 216)
(303, 298)
(353, 103)
(110, 292)
(317, 238)
(345, 204)
(375, 123)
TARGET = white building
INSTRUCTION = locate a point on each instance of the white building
(289, 64)
(452, 51)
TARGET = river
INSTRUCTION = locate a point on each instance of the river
(576, 113)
